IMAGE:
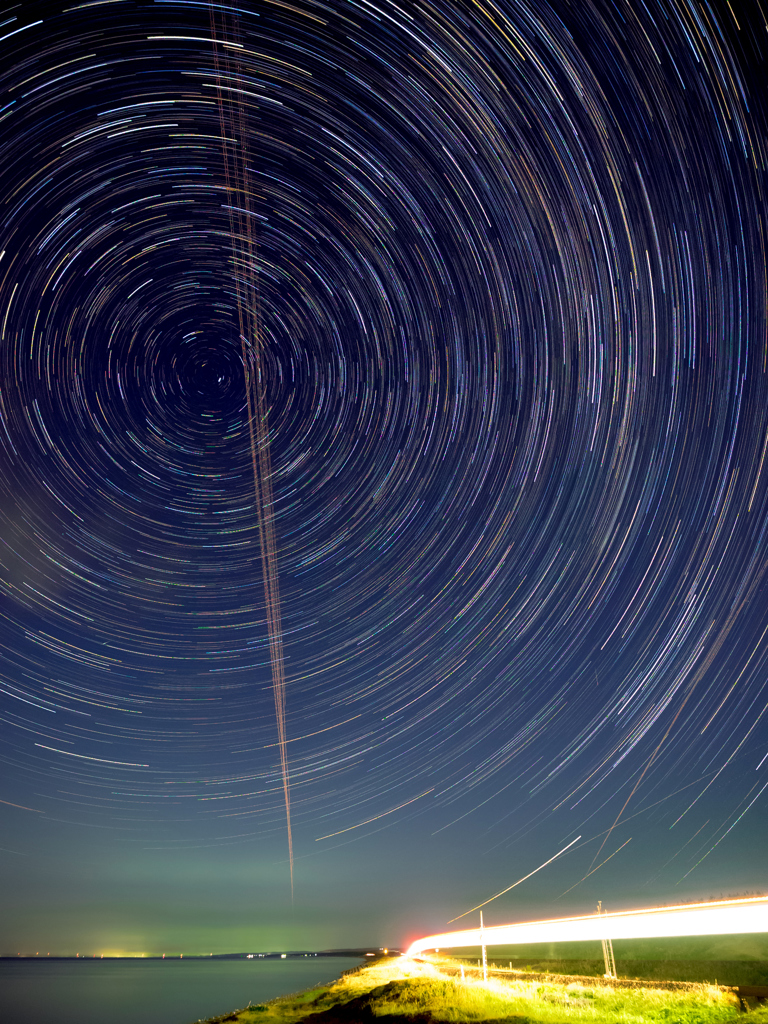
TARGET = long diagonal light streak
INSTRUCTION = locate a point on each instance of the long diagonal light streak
(517, 882)
(376, 817)
(584, 877)
(234, 141)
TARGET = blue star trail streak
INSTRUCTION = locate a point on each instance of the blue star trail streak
(400, 369)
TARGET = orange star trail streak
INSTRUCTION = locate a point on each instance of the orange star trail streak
(234, 144)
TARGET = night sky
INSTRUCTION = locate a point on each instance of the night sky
(507, 267)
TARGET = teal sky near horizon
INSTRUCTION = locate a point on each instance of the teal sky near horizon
(507, 265)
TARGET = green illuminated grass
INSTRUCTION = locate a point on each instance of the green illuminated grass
(714, 972)
(393, 990)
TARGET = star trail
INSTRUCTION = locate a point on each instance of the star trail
(383, 445)
(234, 138)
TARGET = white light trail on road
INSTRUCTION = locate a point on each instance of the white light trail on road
(721, 917)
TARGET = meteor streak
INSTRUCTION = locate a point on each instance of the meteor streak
(517, 882)
(234, 142)
(595, 869)
(720, 917)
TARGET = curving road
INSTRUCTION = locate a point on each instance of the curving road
(721, 917)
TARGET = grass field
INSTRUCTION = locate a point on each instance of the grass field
(696, 947)
(718, 959)
(714, 972)
(396, 991)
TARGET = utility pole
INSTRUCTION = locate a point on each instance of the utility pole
(482, 943)
(608, 959)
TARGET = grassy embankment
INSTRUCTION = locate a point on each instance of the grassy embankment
(723, 959)
(394, 991)
(717, 972)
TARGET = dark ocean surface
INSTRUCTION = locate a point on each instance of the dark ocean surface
(149, 991)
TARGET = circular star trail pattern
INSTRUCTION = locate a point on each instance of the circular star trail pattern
(512, 296)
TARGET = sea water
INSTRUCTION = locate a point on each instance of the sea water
(150, 991)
